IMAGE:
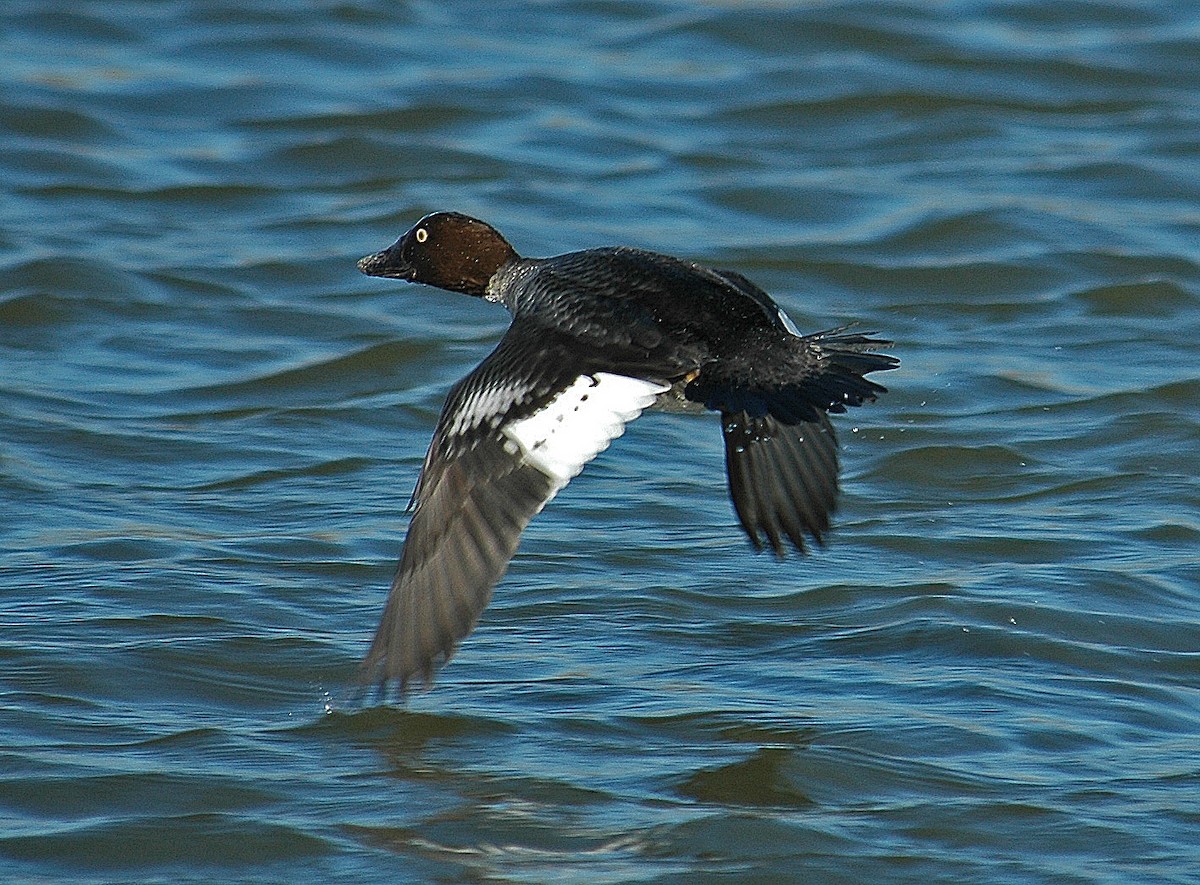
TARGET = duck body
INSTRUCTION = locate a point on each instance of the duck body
(598, 336)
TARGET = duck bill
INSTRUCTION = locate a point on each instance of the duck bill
(387, 263)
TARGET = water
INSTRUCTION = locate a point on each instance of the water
(210, 424)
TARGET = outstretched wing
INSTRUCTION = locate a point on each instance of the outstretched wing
(780, 449)
(512, 433)
(783, 478)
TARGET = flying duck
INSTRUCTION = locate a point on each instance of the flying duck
(596, 337)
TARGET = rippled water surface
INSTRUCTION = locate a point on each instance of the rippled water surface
(210, 425)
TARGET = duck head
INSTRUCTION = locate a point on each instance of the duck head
(444, 249)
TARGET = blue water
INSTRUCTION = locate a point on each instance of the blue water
(210, 425)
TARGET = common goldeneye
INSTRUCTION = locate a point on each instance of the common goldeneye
(596, 337)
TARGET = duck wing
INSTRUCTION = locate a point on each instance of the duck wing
(783, 478)
(780, 449)
(511, 434)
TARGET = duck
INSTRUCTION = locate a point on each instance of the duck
(597, 337)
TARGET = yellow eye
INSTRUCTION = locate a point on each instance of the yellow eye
(422, 235)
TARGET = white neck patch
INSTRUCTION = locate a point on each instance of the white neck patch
(580, 422)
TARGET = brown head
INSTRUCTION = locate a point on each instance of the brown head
(445, 249)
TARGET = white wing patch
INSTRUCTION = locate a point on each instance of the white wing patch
(580, 422)
(788, 324)
(485, 405)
